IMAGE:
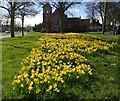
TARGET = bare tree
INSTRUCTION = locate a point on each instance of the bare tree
(109, 13)
(91, 12)
(26, 10)
(11, 7)
(104, 18)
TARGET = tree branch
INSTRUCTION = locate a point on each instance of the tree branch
(5, 8)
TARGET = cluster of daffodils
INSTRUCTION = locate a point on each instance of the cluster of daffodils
(55, 59)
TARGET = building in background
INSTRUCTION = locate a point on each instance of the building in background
(52, 22)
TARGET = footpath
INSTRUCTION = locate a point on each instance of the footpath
(4, 35)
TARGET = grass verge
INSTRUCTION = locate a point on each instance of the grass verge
(13, 51)
(103, 85)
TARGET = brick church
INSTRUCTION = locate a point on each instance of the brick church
(52, 22)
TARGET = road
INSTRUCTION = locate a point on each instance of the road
(4, 35)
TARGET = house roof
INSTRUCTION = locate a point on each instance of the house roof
(96, 23)
(74, 19)
(56, 11)
(85, 19)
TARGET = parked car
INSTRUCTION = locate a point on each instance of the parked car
(7, 32)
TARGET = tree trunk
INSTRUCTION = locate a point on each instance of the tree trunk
(104, 19)
(22, 25)
(61, 29)
(61, 25)
(61, 21)
(92, 25)
(12, 19)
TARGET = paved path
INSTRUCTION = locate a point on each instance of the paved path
(4, 35)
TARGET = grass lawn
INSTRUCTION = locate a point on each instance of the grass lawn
(103, 85)
(13, 51)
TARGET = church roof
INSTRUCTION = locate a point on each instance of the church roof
(73, 20)
(57, 11)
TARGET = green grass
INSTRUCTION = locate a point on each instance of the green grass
(102, 85)
(13, 51)
(107, 37)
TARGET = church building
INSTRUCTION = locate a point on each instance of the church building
(52, 22)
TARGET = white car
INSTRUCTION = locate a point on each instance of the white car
(7, 31)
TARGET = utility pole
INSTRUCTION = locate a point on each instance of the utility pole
(104, 19)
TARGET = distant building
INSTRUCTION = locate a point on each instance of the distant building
(95, 26)
(52, 22)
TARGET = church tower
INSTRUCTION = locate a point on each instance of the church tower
(47, 17)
